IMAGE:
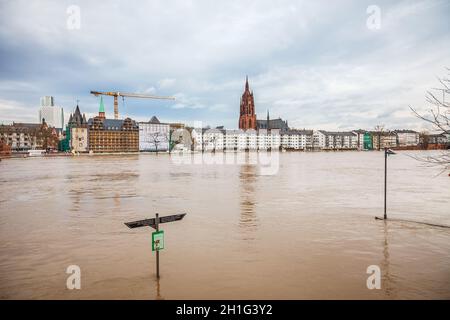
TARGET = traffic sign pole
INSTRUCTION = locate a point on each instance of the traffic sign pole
(385, 180)
(157, 249)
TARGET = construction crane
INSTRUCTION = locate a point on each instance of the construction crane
(124, 94)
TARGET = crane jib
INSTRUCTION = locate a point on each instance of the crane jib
(116, 94)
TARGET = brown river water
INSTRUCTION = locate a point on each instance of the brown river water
(306, 231)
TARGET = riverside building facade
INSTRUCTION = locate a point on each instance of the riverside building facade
(78, 128)
(297, 139)
(112, 135)
(154, 135)
(334, 140)
(407, 138)
(29, 136)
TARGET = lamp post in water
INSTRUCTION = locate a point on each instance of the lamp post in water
(387, 152)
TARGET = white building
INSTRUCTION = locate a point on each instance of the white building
(360, 138)
(249, 140)
(407, 138)
(297, 139)
(385, 139)
(439, 138)
(53, 115)
(197, 138)
(219, 139)
(154, 135)
(335, 140)
(268, 139)
(47, 101)
(318, 139)
(211, 139)
(232, 139)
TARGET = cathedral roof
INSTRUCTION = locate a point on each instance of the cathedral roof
(114, 124)
(154, 120)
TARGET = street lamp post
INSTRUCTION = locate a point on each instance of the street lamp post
(387, 152)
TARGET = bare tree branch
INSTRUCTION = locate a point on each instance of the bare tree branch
(439, 117)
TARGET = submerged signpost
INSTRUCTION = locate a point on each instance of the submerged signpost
(158, 235)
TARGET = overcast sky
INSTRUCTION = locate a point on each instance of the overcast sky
(316, 64)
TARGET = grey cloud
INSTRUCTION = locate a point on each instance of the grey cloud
(314, 63)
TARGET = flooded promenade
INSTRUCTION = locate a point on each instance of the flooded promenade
(307, 231)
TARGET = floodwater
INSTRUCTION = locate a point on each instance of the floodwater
(304, 231)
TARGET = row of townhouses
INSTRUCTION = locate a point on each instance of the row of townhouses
(28, 136)
(102, 135)
(262, 139)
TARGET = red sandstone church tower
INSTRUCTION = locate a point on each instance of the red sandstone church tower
(247, 118)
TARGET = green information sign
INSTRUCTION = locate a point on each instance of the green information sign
(158, 240)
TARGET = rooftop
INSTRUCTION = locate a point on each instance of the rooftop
(112, 124)
(337, 133)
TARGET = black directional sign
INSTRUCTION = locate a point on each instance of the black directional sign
(158, 236)
(152, 222)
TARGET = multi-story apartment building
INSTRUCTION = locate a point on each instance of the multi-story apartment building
(360, 138)
(268, 139)
(439, 138)
(112, 135)
(220, 139)
(154, 135)
(213, 139)
(364, 139)
(383, 139)
(232, 139)
(332, 140)
(29, 136)
(435, 141)
(407, 138)
(249, 140)
(19, 136)
(297, 139)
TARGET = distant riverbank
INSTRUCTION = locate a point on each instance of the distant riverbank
(18, 155)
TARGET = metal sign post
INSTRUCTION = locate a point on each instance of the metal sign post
(158, 236)
(157, 249)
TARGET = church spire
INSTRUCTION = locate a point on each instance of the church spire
(101, 109)
(268, 120)
(247, 118)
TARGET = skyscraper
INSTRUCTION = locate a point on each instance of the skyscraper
(53, 115)
(47, 101)
(247, 117)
